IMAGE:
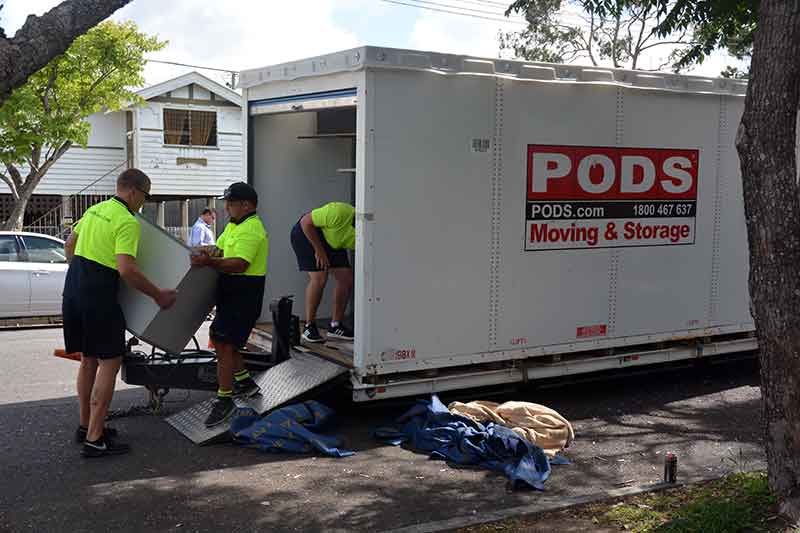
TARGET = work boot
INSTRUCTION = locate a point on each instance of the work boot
(340, 331)
(103, 447)
(245, 388)
(311, 334)
(221, 410)
(81, 432)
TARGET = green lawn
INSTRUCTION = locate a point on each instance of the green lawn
(740, 502)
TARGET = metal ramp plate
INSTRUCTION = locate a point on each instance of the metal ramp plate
(279, 384)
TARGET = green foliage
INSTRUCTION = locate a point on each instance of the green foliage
(620, 30)
(728, 24)
(738, 502)
(97, 72)
(565, 30)
(545, 38)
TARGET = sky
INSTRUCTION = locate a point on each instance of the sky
(242, 34)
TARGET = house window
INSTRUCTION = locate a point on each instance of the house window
(190, 128)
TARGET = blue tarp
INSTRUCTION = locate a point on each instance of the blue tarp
(288, 429)
(431, 428)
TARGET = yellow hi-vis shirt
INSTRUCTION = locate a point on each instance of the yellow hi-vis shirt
(246, 239)
(335, 219)
(106, 230)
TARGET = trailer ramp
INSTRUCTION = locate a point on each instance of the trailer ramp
(284, 382)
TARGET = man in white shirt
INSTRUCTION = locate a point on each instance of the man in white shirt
(202, 234)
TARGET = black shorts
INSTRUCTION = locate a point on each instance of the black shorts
(239, 302)
(306, 260)
(93, 321)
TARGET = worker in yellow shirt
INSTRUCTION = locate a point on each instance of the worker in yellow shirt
(320, 240)
(101, 250)
(240, 257)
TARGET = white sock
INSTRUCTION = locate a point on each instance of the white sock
(334, 323)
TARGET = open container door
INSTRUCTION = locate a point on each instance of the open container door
(303, 152)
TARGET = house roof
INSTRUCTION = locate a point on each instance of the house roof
(187, 79)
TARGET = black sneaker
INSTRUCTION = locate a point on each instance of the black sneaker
(221, 410)
(245, 388)
(103, 447)
(311, 334)
(340, 332)
(81, 432)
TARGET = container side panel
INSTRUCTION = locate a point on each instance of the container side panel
(547, 295)
(364, 186)
(667, 288)
(431, 205)
(733, 297)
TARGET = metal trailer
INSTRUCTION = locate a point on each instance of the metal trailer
(514, 220)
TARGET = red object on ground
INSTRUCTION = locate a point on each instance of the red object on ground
(74, 356)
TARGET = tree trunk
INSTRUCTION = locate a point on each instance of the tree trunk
(766, 143)
(17, 218)
(42, 38)
(24, 189)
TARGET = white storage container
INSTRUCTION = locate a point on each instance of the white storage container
(508, 211)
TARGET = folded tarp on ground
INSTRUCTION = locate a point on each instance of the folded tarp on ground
(430, 427)
(536, 423)
(288, 429)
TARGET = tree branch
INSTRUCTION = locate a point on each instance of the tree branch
(10, 183)
(659, 43)
(663, 65)
(16, 180)
(591, 38)
(615, 43)
(636, 50)
(31, 165)
(54, 157)
(98, 81)
(42, 38)
(48, 89)
(36, 154)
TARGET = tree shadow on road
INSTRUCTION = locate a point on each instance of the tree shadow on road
(623, 428)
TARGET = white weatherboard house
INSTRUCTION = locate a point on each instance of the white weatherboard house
(187, 136)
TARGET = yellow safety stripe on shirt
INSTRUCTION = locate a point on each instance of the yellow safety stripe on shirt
(106, 230)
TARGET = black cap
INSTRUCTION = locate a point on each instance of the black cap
(240, 191)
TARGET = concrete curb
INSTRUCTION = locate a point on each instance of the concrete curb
(543, 505)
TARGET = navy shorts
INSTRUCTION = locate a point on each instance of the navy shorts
(93, 320)
(239, 302)
(306, 260)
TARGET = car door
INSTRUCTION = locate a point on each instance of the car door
(15, 284)
(48, 267)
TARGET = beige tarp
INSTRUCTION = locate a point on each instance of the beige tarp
(536, 423)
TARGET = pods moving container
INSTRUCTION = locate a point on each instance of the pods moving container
(514, 220)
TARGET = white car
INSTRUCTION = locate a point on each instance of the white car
(32, 272)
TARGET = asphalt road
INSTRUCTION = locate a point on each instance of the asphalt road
(709, 417)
